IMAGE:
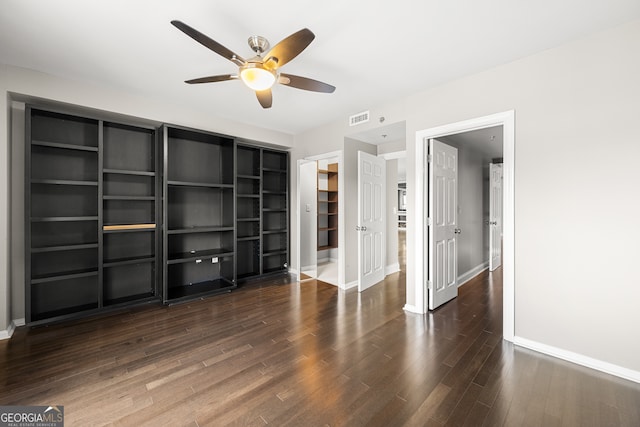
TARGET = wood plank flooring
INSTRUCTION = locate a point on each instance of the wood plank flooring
(289, 354)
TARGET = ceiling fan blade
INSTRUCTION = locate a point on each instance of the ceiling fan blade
(288, 48)
(265, 98)
(212, 79)
(305, 83)
(208, 42)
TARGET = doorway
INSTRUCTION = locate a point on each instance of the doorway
(419, 287)
(319, 218)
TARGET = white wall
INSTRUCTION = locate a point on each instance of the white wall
(308, 226)
(28, 85)
(576, 151)
(392, 214)
(17, 289)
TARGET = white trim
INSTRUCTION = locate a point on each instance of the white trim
(506, 120)
(293, 271)
(323, 156)
(579, 359)
(350, 285)
(393, 268)
(394, 155)
(411, 309)
(465, 277)
(7, 333)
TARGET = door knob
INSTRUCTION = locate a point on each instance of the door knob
(457, 231)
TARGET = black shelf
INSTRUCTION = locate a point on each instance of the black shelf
(126, 300)
(198, 184)
(64, 218)
(127, 172)
(203, 229)
(248, 177)
(248, 219)
(127, 261)
(131, 230)
(64, 276)
(284, 230)
(248, 196)
(274, 170)
(66, 312)
(64, 248)
(199, 213)
(180, 257)
(64, 182)
(281, 252)
(82, 173)
(64, 146)
(200, 289)
(248, 238)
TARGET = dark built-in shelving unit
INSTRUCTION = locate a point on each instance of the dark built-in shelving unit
(248, 209)
(262, 202)
(72, 264)
(275, 211)
(199, 212)
(127, 213)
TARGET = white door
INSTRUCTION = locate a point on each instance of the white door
(495, 216)
(442, 223)
(371, 219)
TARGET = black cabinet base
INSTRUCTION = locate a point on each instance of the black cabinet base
(208, 287)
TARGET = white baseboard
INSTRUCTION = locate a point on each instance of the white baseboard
(293, 271)
(350, 285)
(465, 277)
(579, 359)
(411, 309)
(389, 269)
(6, 334)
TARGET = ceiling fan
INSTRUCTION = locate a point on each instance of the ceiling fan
(261, 72)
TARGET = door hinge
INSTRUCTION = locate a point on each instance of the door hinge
(428, 221)
(429, 158)
(429, 285)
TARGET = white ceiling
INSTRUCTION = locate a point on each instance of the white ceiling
(373, 51)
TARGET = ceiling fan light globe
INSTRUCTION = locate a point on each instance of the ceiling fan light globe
(257, 78)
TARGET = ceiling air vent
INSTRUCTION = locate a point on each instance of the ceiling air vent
(358, 119)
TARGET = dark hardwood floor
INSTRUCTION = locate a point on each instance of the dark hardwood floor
(284, 353)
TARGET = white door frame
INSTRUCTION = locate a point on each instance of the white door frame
(419, 288)
(341, 254)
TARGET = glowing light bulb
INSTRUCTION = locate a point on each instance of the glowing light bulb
(256, 77)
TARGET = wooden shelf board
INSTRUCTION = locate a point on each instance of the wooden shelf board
(119, 227)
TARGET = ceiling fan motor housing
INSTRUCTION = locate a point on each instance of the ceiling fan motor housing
(259, 44)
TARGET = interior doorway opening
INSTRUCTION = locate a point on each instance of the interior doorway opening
(419, 287)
